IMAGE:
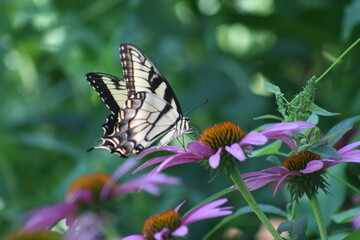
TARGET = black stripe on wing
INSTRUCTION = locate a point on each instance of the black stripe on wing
(141, 75)
(111, 89)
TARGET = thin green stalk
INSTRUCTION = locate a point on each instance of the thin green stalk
(352, 187)
(293, 210)
(239, 182)
(314, 203)
(339, 59)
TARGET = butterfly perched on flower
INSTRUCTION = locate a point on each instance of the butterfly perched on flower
(143, 105)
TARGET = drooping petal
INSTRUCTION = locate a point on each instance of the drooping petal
(119, 172)
(181, 231)
(349, 147)
(253, 138)
(214, 160)
(286, 128)
(236, 151)
(179, 159)
(200, 149)
(147, 183)
(163, 233)
(179, 206)
(151, 162)
(134, 237)
(258, 182)
(48, 216)
(313, 166)
(87, 227)
(80, 195)
(209, 210)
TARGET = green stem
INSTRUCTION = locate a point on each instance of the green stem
(239, 182)
(314, 203)
(339, 59)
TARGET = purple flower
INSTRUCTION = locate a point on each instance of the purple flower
(356, 219)
(295, 169)
(170, 224)
(222, 141)
(93, 189)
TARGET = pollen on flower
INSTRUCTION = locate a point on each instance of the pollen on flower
(299, 162)
(169, 219)
(92, 182)
(222, 134)
(34, 235)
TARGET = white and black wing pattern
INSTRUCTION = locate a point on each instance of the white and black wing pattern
(141, 75)
(143, 105)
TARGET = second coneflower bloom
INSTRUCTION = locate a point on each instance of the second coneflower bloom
(222, 144)
(304, 173)
(90, 193)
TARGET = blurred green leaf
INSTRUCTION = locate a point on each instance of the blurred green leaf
(346, 216)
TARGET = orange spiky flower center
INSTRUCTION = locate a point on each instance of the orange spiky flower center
(299, 162)
(169, 219)
(221, 135)
(304, 183)
(93, 182)
(35, 235)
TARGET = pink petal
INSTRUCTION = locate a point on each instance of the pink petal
(48, 216)
(253, 138)
(119, 172)
(181, 231)
(200, 149)
(147, 183)
(151, 162)
(313, 166)
(179, 206)
(134, 237)
(214, 160)
(258, 182)
(349, 147)
(184, 158)
(236, 151)
(80, 195)
(209, 210)
(288, 128)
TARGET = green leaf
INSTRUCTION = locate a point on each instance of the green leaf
(346, 124)
(268, 149)
(295, 228)
(346, 216)
(245, 210)
(320, 111)
(353, 236)
(272, 88)
(269, 116)
(325, 151)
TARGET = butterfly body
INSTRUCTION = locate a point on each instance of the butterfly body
(143, 105)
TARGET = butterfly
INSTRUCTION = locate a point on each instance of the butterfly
(143, 105)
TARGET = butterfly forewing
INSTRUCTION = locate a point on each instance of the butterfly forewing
(141, 75)
(143, 105)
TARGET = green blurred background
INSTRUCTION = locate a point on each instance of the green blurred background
(215, 50)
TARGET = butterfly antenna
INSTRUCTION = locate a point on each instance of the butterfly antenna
(196, 107)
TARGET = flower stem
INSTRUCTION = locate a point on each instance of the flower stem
(239, 182)
(293, 210)
(314, 203)
(338, 59)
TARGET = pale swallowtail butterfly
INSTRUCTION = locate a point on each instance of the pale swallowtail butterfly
(143, 105)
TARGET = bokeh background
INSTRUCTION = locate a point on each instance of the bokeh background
(213, 50)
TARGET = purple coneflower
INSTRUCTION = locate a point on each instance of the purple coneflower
(170, 224)
(89, 191)
(305, 172)
(222, 144)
